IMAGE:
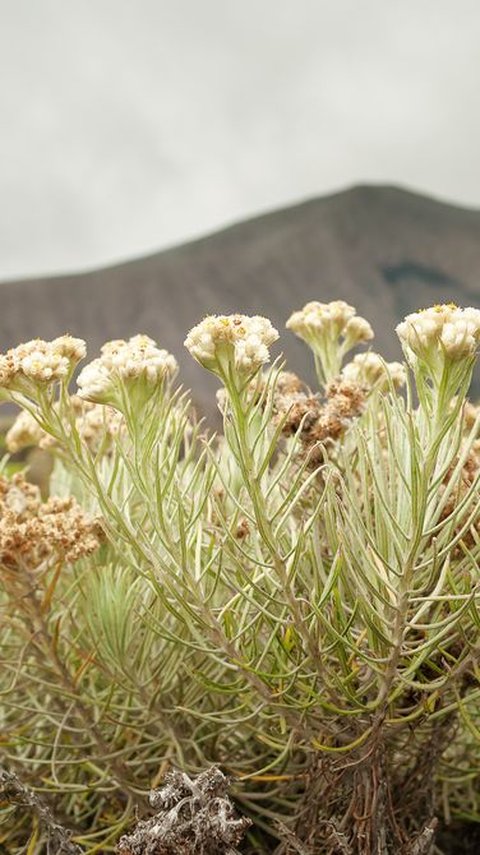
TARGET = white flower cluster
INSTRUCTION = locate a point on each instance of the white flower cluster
(317, 321)
(218, 339)
(139, 358)
(443, 330)
(24, 432)
(369, 369)
(97, 426)
(40, 361)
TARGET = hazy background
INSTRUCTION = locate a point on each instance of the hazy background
(129, 126)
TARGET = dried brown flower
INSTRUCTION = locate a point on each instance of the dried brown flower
(243, 529)
(33, 533)
(318, 421)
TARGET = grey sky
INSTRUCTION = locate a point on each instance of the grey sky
(129, 126)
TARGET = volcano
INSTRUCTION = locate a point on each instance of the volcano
(385, 250)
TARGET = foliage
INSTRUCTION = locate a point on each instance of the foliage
(296, 600)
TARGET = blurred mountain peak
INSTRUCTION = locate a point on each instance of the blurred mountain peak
(385, 249)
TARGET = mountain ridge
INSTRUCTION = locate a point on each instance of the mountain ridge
(355, 191)
(384, 249)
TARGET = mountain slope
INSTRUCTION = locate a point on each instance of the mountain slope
(385, 250)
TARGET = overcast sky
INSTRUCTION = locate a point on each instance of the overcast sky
(129, 125)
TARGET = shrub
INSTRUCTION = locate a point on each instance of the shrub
(295, 600)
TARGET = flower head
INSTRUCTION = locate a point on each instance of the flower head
(331, 330)
(332, 320)
(24, 432)
(440, 344)
(220, 340)
(442, 331)
(40, 362)
(97, 425)
(34, 534)
(137, 360)
(369, 369)
(73, 349)
(94, 380)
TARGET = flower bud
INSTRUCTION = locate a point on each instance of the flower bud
(239, 341)
(369, 369)
(442, 331)
(40, 362)
(136, 362)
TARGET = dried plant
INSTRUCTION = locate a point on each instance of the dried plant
(194, 817)
(15, 794)
(295, 601)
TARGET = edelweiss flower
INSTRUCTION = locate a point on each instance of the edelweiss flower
(370, 370)
(24, 432)
(44, 366)
(34, 534)
(440, 344)
(138, 359)
(94, 380)
(74, 349)
(442, 331)
(220, 339)
(318, 321)
(40, 361)
(97, 426)
(331, 330)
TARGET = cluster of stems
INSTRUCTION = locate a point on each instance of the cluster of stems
(295, 600)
